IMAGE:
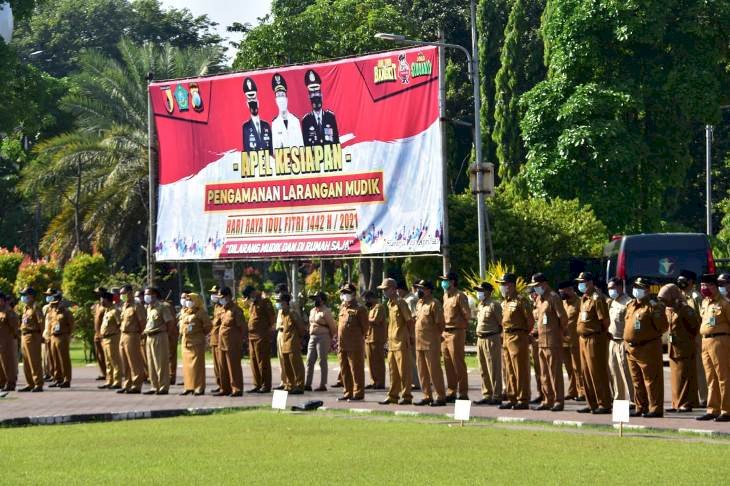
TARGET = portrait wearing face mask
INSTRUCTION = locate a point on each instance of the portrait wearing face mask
(638, 293)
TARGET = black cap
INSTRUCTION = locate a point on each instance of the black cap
(100, 290)
(281, 288)
(283, 297)
(424, 284)
(585, 277)
(507, 278)
(348, 288)
(453, 276)
(278, 83)
(401, 285)
(250, 89)
(318, 295)
(709, 278)
(312, 80)
(153, 290)
(484, 287)
(688, 274)
(615, 281)
(566, 284)
(28, 291)
(723, 279)
(225, 292)
(247, 291)
(642, 283)
(537, 278)
(106, 295)
(127, 288)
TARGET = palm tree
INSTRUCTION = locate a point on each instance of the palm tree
(95, 177)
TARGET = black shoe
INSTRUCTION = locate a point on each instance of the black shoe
(280, 387)
(438, 403)
(123, 390)
(239, 393)
(584, 410)
(322, 388)
(220, 394)
(405, 401)
(601, 411)
(653, 415)
(536, 401)
(356, 399)
(635, 414)
(337, 385)
(707, 416)
(387, 401)
(670, 410)
(541, 407)
(506, 406)
(579, 399)
(343, 399)
(163, 392)
(103, 387)
(370, 387)
(115, 387)
(296, 391)
(37, 389)
(483, 401)
(100, 378)
(264, 390)
(186, 393)
(215, 390)
(521, 406)
(64, 385)
(172, 381)
(134, 391)
(198, 393)
(307, 388)
(415, 387)
(557, 408)
(463, 397)
(571, 397)
(494, 401)
(55, 384)
(253, 390)
(422, 402)
(25, 389)
(450, 398)
(150, 392)
(684, 410)
(723, 418)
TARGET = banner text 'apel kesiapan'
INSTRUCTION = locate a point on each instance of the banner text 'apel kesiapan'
(334, 159)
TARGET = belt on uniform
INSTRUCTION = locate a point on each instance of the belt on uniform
(618, 340)
(591, 334)
(451, 329)
(707, 336)
(514, 331)
(25, 333)
(487, 334)
(130, 332)
(636, 344)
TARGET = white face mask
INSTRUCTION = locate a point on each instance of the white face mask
(147, 299)
(49, 299)
(638, 293)
(188, 304)
(282, 102)
(347, 297)
(582, 287)
(480, 296)
(222, 301)
(723, 291)
(503, 289)
(137, 301)
(182, 301)
(215, 299)
(613, 293)
(539, 290)
(25, 299)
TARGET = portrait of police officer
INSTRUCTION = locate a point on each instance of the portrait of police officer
(319, 127)
(256, 132)
(286, 129)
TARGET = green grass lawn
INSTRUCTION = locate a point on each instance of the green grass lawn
(263, 447)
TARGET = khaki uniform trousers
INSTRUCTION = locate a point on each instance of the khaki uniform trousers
(535, 356)
(571, 360)
(551, 376)
(172, 347)
(113, 360)
(399, 366)
(32, 363)
(375, 353)
(282, 376)
(594, 365)
(352, 364)
(132, 362)
(618, 365)
(684, 381)
(430, 374)
(231, 373)
(61, 357)
(517, 346)
(143, 351)
(193, 361)
(716, 359)
(490, 366)
(259, 352)
(647, 374)
(701, 390)
(9, 363)
(217, 358)
(452, 348)
(47, 364)
(292, 366)
(414, 368)
(158, 360)
(100, 357)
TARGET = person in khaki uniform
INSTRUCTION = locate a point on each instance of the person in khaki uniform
(535, 348)
(132, 318)
(232, 330)
(173, 336)
(411, 299)
(352, 327)
(489, 345)
(429, 334)
(194, 327)
(592, 328)
(280, 288)
(261, 321)
(46, 350)
(139, 300)
(571, 345)
(687, 283)
(375, 341)
(715, 331)
(61, 324)
(97, 311)
(31, 330)
(618, 363)
(159, 318)
(456, 317)
(646, 321)
(213, 341)
(517, 322)
(684, 324)
(401, 338)
(9, 328)
(293, 329)
(322, 329)
(110, 338)
(551, 322)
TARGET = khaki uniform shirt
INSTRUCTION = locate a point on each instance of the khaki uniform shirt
(231, 326)
(456, 309)
(9, 325)
(352, 326)
(715, 316)
(401, 329)
(32, 320)
(489, 318)
(517, 314)
(133, 318)
(261, 319)
(216, 324)
(551, 320)
(646, 320)
(59, 319)
(684, 324)
(321, 322)
(572, 310)
(109, 322)
(377, 325)
(593, 313)
(194, 326)
(293, 329)
(429, 324)
(617, 316)
(98, 311)
(158, 315)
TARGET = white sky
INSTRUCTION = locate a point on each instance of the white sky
(225, 12)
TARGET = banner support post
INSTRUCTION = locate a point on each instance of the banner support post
(446, 260)
(152, 191)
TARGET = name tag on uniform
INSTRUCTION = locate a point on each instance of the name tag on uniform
(637, 325)
(190, 328)
(712, 322)
(544, 320)
(57, 328)
(671, 339)
(584, 316)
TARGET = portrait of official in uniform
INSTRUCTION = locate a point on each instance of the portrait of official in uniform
(256, 132)
(287, 132)
(319, 126)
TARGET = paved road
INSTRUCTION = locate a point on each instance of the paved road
(84, 398)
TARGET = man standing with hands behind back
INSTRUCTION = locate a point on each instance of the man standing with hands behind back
(456, 317)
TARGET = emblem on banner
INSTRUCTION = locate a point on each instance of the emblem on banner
(404, 70)
(384, 71)
(169, 101)
(421, 66)
(195, 96)
(181, 96)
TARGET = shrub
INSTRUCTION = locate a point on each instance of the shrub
(40, 275)
(10, 262)
(81, 275)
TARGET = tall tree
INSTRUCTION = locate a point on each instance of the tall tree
(521, 68)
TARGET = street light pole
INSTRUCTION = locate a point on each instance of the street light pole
(708, 176)
(445, 248)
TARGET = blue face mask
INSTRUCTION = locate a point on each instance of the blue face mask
(582, 287)
(277, 306)
(445, 285)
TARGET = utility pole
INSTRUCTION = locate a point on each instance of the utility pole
(152, 169)
(446, 260)
(708, 176)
